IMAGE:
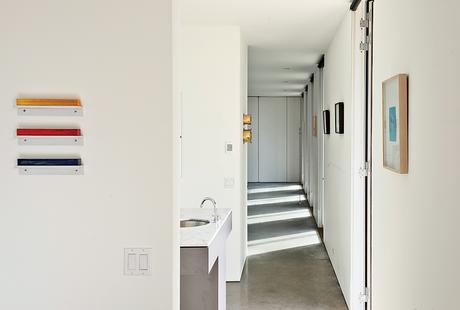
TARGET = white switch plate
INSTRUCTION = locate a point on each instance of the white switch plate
(229, 182)
(228, 147)
(138, 262)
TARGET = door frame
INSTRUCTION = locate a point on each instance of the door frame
(369, 159)
(321, 148)
(361, 269)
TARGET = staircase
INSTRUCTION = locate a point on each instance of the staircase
(279, 218)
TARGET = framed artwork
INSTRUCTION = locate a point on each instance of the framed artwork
(339, 115)
(315, 126)
(395, 123)
(326, 122)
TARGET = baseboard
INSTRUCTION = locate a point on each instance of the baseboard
(241, 272)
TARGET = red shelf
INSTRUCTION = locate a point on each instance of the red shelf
(48, 132)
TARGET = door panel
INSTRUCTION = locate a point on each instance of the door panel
(293, 139)
(272, 139)
(253, 147)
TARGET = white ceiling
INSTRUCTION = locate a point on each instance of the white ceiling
(286, 38)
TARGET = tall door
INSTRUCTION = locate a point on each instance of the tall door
(293, 139)
(253, 147)
(272, 139)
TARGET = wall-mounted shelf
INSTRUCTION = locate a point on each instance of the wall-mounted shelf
(32, 136)
(50, 140)
(49, 111)
(50, 170)
(49, 107)
(61, 166)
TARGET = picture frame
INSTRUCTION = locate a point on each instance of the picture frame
(339, 118)
(395, 102)
(326, 122)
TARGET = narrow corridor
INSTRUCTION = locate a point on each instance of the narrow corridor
(287, 267)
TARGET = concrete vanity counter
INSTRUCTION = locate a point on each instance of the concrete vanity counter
(203, 280)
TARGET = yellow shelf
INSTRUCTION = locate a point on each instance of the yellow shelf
(48, 102)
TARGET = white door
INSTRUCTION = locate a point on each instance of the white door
(253, 147)
(293, 139)
(272, 139)
(321, 171)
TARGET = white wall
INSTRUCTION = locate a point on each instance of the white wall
(272, 139)
(416, 240)
(337, 191)
(306, 141)
(317, 148)
(214, 100)
(293, 139)
(62, 237)
(312, 146)
(303, 143)
(243, 153)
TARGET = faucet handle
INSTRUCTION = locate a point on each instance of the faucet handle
(215, 218)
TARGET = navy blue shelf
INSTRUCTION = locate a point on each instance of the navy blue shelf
(49, 162)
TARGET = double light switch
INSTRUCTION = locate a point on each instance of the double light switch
(138, 261)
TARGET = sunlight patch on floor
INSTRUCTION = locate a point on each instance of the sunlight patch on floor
(268, 245)
(278, 216)
(283, 199)
(281, 188)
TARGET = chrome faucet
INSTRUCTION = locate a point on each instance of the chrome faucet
(215, 217)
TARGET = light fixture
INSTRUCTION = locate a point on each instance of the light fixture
(247, 133)
(247, 120)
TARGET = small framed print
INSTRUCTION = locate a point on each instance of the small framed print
(326, 122)
(395, 123)
(339, 115)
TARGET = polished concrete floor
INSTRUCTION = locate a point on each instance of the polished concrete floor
(294, 275)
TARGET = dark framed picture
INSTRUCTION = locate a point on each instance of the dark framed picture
(326, 122)
(339, 114)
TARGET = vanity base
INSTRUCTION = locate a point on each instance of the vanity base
(199, 289)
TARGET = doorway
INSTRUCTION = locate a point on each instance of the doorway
(274, 153)
(361, 280)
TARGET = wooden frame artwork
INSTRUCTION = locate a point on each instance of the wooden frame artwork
(395, 123)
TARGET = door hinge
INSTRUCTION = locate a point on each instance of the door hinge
(364, 46)
(364, 22)
(365, 171)
(364, 296)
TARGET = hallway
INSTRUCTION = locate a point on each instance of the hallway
(288, 266)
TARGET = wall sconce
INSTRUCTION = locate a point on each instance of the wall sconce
(247, 119)
(247, 135)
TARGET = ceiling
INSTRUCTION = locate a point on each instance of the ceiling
(286, 38)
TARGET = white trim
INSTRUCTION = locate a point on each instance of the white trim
(358, 150)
